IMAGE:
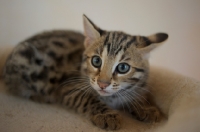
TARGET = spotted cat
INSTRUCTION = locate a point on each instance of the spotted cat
(95, 74)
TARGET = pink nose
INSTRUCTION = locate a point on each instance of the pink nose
(103, 85)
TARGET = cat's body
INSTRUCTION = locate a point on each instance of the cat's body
(108, 73)
(39, 64)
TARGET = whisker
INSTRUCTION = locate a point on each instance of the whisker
(141, 96)
(148, 89)
(90, 91)
(71, 80)
(119, 97)
(131, 101)
(85, 89)
(77, 89)
(128, 106)
(135, 103)
(76, 78)
(75, 84)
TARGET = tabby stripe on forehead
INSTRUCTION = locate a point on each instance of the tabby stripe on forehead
(106, 40)
(123, 57)
(130, 42)
(108, 48)
(106, 43)
(123, 39)
(119, 49)
(117, 38)
(113, 38)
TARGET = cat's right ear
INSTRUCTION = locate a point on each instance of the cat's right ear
(90, 31)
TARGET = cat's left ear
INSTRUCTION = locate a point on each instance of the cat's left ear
(91, 31)
(147, 44)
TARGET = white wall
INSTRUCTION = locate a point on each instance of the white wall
(180, 18)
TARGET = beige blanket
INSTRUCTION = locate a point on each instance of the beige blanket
(176, 95)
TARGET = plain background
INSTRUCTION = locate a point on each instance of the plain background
(20, 19)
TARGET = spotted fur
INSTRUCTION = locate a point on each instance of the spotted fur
(56, 67)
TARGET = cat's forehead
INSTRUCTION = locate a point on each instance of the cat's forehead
(115, 44)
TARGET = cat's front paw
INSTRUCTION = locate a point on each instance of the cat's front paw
(109, 121)
(150, 114)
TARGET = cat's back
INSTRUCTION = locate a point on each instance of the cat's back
(70, 35)
(54, 46)
(63, 39)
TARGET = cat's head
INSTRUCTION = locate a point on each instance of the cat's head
(114, 60)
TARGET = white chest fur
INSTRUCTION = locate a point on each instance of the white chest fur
(115, 102)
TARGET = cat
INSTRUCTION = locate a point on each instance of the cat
(95, 74)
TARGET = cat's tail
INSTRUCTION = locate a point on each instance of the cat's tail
(5, 50)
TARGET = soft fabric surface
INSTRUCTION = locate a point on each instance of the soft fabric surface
(177, 96)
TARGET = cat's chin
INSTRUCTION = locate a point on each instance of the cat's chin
(104, 93)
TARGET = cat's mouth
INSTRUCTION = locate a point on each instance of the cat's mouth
(104, 92)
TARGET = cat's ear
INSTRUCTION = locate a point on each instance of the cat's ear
(147, 44)
(91, 31)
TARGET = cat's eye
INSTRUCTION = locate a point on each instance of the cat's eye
(122, 68)
(96, 61)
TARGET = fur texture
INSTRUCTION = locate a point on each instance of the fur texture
(94, 75)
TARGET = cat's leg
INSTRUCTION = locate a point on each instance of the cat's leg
(88, 104)
(109, 119)
(147, 112)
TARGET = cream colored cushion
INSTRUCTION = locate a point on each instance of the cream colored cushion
(176, 95)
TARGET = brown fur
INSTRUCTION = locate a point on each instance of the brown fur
(48, 68)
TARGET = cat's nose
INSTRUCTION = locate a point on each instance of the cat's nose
(102, 84)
